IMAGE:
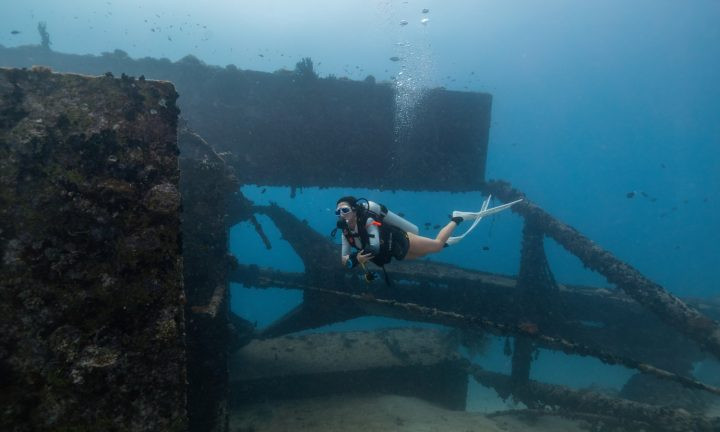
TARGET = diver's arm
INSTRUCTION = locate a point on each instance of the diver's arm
(351, 259)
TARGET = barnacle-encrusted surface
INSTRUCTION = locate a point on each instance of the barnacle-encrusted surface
(296, 129)
(91, 316)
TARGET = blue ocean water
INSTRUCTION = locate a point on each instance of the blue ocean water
(606, 113)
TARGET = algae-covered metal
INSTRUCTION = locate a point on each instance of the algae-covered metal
(292, 128)
(91, 295)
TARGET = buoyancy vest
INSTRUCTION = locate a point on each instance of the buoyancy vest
(388, 248)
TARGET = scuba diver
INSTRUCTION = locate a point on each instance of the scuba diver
(378, 235)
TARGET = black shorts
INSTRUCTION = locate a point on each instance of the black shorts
(399, 244)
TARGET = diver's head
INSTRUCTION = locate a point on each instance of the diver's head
(345, 209)
(350, 200)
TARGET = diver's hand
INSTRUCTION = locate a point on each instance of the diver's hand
(364, 257)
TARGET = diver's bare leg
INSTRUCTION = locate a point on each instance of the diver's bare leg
(421, 246)
(445, 233)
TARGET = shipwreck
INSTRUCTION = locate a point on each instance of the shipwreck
(117, 191)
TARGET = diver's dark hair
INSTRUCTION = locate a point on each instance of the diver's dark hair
(348, 199)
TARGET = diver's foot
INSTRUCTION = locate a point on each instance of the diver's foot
(466, 216)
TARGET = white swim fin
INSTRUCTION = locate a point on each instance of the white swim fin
(471, 216)
(485, 211)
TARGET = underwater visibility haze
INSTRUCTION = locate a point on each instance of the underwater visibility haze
(604, 114)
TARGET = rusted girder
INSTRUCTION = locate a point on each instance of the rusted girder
(317, 254)
(568, 401)
(539, 297)
(669, 308)
(410, 311)
(594, 317)
(415, 312)
(325, 269)
(639, 341)
(367, 304)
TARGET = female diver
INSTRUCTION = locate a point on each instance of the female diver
(378, 235)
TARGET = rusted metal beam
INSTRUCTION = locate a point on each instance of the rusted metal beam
(415, 312)
(321, 268)
(208, 188)
(370, 305)
(316, 310)
(539, 298)
(563, 400)
(672, 310)
(594, 317)
(619, 326)
(213, 307)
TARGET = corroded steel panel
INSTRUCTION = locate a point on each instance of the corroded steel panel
(333, 133)
(291, 128)
(91, 294)
(416, 362)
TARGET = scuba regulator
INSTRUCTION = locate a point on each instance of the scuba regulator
(341, 225)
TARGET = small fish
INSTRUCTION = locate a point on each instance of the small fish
(426, 10)
(403, 22)
(263, 191)
(436, 227)
(486, 248)
(14, 32)
(630, 194)
(395, 58)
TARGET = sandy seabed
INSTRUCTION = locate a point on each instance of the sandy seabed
(382, 413)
